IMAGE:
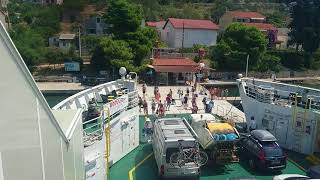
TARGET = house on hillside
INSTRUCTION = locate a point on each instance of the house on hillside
(95, 25)
(240, 16)
(158, 26)
(253, 19)
(178, 33)
(66, 41)
(58, 2)
(63, 41)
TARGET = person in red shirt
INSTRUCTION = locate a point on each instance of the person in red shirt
(168, 100)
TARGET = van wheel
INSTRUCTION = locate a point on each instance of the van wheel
(251, 164)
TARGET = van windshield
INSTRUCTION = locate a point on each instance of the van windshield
(171, 151)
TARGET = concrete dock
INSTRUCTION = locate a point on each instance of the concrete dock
(221, 106)
(60, 87)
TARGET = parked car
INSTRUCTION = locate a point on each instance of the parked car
(291, 177)
(261, 150)
(169, 135)
(314, 172)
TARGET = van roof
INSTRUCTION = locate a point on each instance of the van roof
(175, 129)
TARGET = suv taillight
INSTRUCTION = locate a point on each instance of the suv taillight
(261, 155)
(162, 170)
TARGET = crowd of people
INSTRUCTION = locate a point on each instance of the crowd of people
(159, 104)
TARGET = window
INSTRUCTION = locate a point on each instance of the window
(98, 19)
(92, 31)
(271, 149)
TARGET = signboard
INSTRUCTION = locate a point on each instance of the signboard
(117, 105)
(71, 66)
(199, 76)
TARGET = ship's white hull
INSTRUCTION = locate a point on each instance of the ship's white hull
(296, 128)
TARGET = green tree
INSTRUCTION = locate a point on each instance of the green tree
(305, 25)
(54, 56)
(268, 62)
(236, 43)
(74, 5)
(111, 52)
(43, 19)
(123, 16)
(141, 43)
(220, 7)
(29, 43)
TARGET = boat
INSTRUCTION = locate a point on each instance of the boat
(290, 112)
(65, 142)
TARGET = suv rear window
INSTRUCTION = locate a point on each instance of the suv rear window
(271, 149)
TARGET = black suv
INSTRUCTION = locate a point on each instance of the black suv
(262, 151)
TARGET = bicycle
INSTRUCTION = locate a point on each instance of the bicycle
(186, 155)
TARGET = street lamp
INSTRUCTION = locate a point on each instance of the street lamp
(122, 72)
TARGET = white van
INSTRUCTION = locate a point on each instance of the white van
(170, 136)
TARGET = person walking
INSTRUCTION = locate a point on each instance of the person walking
(144, 89)
(252, 124)
(155, 90)
(145, 107)
(153, 106)
(204, 102)
(161, 109)
(179, 93)
(194, 108)
(187, 91)
(168, 101)
(185, 101)
(157, 96)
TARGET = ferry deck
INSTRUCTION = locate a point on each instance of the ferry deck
(140, 163)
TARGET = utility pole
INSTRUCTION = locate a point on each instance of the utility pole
(247, 65)
(79, 43)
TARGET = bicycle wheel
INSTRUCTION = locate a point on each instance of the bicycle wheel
(177, 158)
(201, 158)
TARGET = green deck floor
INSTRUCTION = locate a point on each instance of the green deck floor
(148, 170)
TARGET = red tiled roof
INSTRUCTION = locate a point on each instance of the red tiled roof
(262, 26)
(175, 69)
(174, 65)
(192, 24)
(173, 62)
(243, 14)
(151, 24)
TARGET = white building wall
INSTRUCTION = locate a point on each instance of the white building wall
(191, 37)
(30, 137)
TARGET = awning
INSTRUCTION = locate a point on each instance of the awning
(175, 69)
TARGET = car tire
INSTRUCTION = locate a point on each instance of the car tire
(251, 164)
